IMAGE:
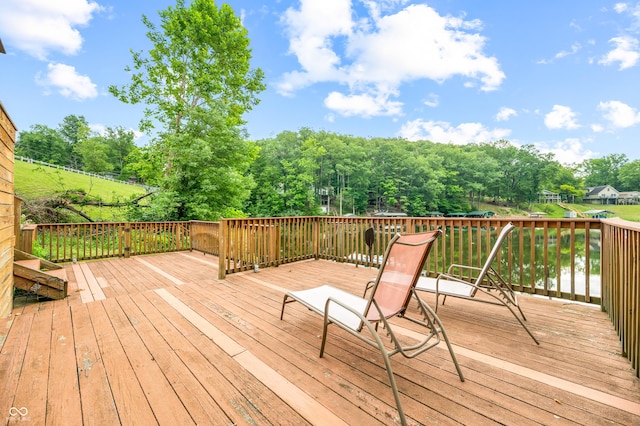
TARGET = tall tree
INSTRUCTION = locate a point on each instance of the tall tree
(94, 154)
(629, 176)
(119, 144)
(603, 170)
(196, 83)
(42, 143)
(74, 129)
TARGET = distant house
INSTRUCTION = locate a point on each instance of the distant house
(545, 197)
(629, 197)
(605, 194)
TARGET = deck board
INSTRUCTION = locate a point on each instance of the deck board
(63, 375)
(98, 405)
(172, 344)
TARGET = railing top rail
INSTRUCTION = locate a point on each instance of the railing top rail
(109, 223)
(621, 223)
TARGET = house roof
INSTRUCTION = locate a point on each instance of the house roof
(598, 189)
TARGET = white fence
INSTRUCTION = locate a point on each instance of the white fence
(69, 169)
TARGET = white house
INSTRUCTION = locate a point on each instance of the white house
(605, 194)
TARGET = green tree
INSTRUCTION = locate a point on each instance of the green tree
(603, 171)
(42, 143)
(629, 176)
(196, 84)
(286, 175)
(74, 129)
(93, 153)
(145, 164)
(119, 144)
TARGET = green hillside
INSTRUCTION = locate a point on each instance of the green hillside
(623, 212)
(37, 182)
(631, 213)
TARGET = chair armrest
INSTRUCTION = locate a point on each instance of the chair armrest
(341, 321)
(458, 266)
(370, 284)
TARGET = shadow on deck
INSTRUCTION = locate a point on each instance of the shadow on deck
(160, 340)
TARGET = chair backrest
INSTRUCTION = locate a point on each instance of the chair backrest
(399, 273)
(494, 251)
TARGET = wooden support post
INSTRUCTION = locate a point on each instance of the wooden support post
(28, 236)
(316, 238)
(222, 243)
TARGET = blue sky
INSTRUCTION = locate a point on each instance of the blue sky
(561, 75)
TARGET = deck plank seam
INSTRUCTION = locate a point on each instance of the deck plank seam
(566, 385)
(290, 393)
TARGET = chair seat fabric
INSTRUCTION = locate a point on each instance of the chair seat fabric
(316, 299)
(449, 287)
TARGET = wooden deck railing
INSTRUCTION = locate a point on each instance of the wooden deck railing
(205, 237)
(66, 242)
(621, 283)
(587, 260)
(558, 258)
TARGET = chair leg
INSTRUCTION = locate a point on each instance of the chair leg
(521, 313)
(522, 322)
(385, 356)
(284, 302)
(430, 314)
(392, 382)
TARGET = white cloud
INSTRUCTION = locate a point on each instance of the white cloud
(98, 128)
(440, 131)
(620, 7)
(310, 31)
(632, 11)
(375, 55)
(66, 80)
(505, 114)
(432, 100)
(567, 152)
(40, 26)
(627, 52)
(619, 114)
(574, 49)
(561, 117)
(365, 105)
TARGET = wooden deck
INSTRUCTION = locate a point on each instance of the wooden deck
(159, 340)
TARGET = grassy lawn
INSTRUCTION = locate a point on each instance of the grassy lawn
(631, 213)
(623, 212)
(36, 181)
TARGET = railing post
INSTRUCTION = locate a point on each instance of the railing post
(222, 244)
(316, 237)
(27, 237)
(127, 240)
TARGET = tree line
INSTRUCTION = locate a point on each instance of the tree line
(196, 83)
(296, 172)
(306, 172)
(74, 144)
